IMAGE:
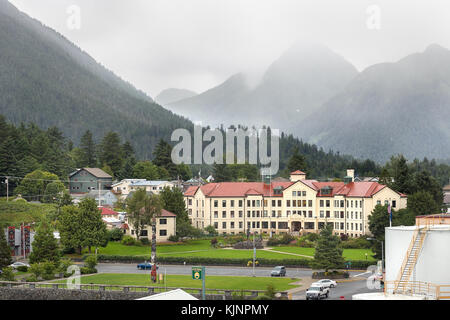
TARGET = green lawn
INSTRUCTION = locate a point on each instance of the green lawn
(202, 248)
(194, 248)
(186, 281)
(349, 254)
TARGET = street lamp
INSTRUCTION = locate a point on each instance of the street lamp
(382, 252)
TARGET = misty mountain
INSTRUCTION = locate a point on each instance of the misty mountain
(47, 80)
(390, 108)
(173, 95)
(293, 86)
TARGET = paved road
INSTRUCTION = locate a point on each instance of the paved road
(344, 289)
(210, 270)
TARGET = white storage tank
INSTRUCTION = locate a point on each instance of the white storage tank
(433, 263)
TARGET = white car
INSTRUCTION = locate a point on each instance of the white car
(327, 283)
(17, 264)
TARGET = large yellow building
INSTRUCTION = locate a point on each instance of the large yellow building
(297, 206)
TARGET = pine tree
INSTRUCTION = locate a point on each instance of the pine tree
(111, 152)
(328, 253)
(5, 250)
(45, 246)
(297, 162)
(88, 150)
(163, 158)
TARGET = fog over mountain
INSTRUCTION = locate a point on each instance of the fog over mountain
(390, 108)
(291, 88)
(173, 95)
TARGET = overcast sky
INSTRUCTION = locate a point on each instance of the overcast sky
(197, 44)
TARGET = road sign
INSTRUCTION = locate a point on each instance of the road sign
(198, 273)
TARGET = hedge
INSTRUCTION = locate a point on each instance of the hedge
(299, 263)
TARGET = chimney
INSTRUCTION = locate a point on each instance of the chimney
(351, 174)
(297, 175)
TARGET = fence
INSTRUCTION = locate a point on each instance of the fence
(430, 290)
(224, 294)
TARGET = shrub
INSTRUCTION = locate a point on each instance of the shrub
(22, 268)
(7, 274)
(356, 243)
(145, 241)
(90, 262)
(214, 242)
(115, 234)
(87, 270)
(128, 241)
(174, 238)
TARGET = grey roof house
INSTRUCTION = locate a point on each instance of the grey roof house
(85, 180)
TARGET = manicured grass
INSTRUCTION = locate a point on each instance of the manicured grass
(202, 248)
(116, 248)
(194, 248)
(186, 281)
(349, 254)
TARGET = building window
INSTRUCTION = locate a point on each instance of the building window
(162, 221)
(294, 193)
(232, 203)
(240, 203)
(321, 203)
(232, 214)
(394, 203)
(282, 225)
(288, 203)
(216, 225)
(224, 203)
(144, 233)
(310, 203)
(216, 214)
(224, 214)
(216, 203)
(231, 225)
(163, 233)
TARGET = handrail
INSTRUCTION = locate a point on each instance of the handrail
(439, 292)
(408, 253)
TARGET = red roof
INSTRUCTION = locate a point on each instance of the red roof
(297, 172)
(108, 212)
(241, 189)
(165, 213)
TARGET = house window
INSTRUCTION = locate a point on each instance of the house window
(216, 225)
(163, 233)
(144, 233)
(394, 203)
(232, 203)
(162, 221)
(224, 225)
(288, 203)
(216, 203)
(224, 203)
(240, 203)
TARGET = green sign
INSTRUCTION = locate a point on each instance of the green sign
(198, 273)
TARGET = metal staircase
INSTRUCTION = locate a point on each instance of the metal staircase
(410, 261)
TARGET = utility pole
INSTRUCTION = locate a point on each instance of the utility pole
(254, 253)
(7, 189)
(99, 187)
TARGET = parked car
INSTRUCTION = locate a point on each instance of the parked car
(317, 292)
(327, 283)
(17, 264)
(278, 271)
(145, 266)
